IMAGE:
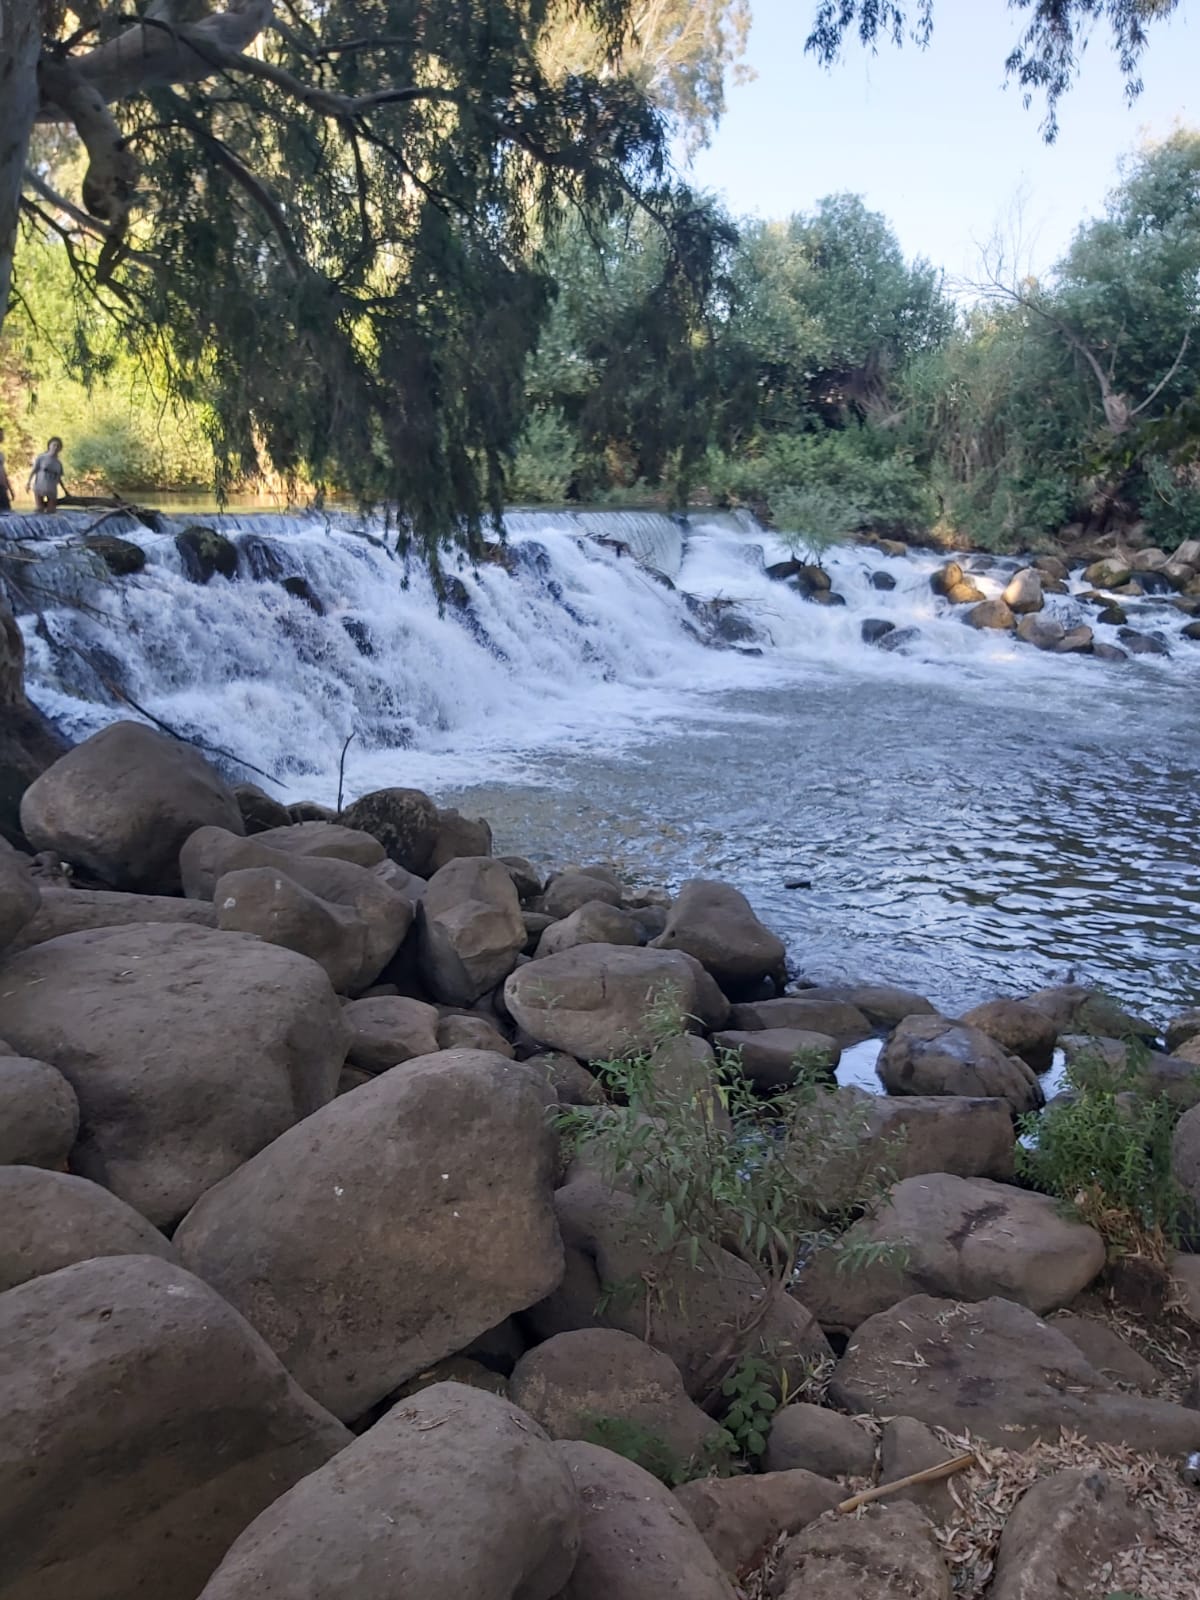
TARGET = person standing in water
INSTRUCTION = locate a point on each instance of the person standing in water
(6, 488)
(46, 476)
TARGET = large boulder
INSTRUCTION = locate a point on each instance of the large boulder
(19, 897)
(1061, 1536)
(887, 1553)
(818, 1440)
(991, 614)
(684, 1311)
(50, 1220)
(773, 1058)
(577, 1383)
(1185, 1155)
(932, 1055)
(121, 804)
(459, 836)
(964, 1239)
(596, 1001)
(452, 1495)
(331, 839)
(911, 1134)
(39, 1114)
(209, 853)
(65, 910)
(188, 1050)
(390, 1228)
(1074, 1008)
(567, 891)
(1019, 1029)
(715, 923)
(405, 822)
(995, 1370)
(1108, 574)
(470, 929)
(145, 1426)
(387, 1029)
(637, 1542)
(595, 922)
(1024, 592)
(842, 1021)
(742, 1517)
(883, 1004)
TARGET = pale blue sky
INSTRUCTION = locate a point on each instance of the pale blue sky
(933, 138)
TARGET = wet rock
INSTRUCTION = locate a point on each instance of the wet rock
(882, 580)
(1109, 652)
(405, 822)
(875, 629)
(716, 924)
(1143, 644)
(595, 1000)
(741, 1518)
(819, 1440)
(1044, 633)
(220, 1042)
(1078, 641)
(388, 1029)
(50, 1220)
(131, 1384)
(931, 1055)
(964, 1239)
(453, 1495)
(470, 929)
(1018, 1028)
(882, 1004)
(389, 1229)
(1023, 594)
(839, 1018)
(899, 639)
(990, 614)
(1062, 1534)
(1051, 567)
(576, 1383)
(996, 1370)
(121, 556)
(121, 804)
(459, 836)
(886, 1553)
(774, 1058)
(206, 554)
(595, 922)
(946, 577)
(259, 811)
(39, 1114)
(637, 1541)
(605, 1235)
(300, 589)
(1108, 574)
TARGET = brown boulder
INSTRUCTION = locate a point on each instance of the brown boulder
(405, 822)
(715, 923)
(567, 891)
(1062, 1534)
(577, 1382)
(1107, 1351)
(1023, 594)
(50, 1220)
(637, 1543)
(39, 1114)
(772, 1058)
(741, 1518)
(458, 836)
(906, 1447)
(121, 804)
(145, 1426)
(19, 897)
(964, 1239)
(1019, 1029)
(75, 910)
(470, 929)
(277, 910)
(389, 1229)
(882, 1004)
(931, 1055)
(1185, 1155)
(572, 1084)
(819, 1440)
(328, 840)
(220, 1041)
(460, 1031)
(885, 1553)
(991, 614)
(453, 1495)
(996, 1370)
(595, 922)
(842, 1021)
(387, 1029)
(912, 1134)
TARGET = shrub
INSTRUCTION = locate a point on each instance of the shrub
(545, 460)
(648, 1450)
(788, 1180)
(1104, 1152)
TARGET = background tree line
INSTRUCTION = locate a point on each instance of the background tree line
(518, 299)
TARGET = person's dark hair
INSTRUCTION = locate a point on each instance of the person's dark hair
(50, 443)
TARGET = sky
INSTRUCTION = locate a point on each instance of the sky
(933, 139)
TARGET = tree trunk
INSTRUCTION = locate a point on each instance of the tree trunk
(20, 47)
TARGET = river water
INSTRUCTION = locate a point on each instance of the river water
(966, 816)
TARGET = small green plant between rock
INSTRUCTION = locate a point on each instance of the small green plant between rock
(1104, 1151)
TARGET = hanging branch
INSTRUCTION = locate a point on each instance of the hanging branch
(342, 771)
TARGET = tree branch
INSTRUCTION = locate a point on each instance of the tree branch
(1164, 381)
(157, 53)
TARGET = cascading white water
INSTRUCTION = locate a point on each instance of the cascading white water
(570, 640)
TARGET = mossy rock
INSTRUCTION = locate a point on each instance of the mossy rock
(206, 553)
(120, 556)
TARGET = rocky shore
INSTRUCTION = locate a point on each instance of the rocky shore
(315, 1282)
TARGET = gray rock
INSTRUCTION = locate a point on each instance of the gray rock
(66, 910)
(19, 896)
(887, 1552)
(458, 836)
(715, 923)
(39, 1114)
(1019, 1029)
(819, 1440)
(388, 1029)
(328, 840)
(842, 1021)
(405, 822)
(772, 1058)
(470, 929)
(741, 1517)
(931, 1055)
(50, 1220)
(1062, 1534)
(595, 922)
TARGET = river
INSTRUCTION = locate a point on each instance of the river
(967, 816)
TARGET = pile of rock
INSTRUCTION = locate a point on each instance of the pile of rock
(299, 1295)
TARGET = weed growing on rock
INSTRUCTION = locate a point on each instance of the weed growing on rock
(1104, 1151)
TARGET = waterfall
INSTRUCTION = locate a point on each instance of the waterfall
(590, 626)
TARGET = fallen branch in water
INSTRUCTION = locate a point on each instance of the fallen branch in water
(945, 1469)
(342, 771)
